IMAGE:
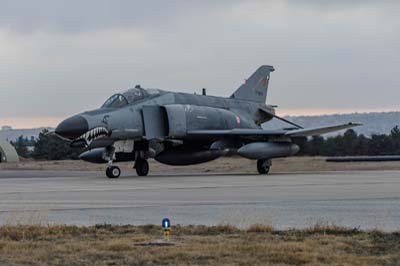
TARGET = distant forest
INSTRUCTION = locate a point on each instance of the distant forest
(46, 147)
(50, 147)
(351, 143)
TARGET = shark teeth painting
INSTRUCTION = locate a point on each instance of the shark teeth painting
(93, 134)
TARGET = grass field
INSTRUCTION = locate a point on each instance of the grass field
(196, 245)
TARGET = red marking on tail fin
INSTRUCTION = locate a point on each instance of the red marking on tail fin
(264, 82)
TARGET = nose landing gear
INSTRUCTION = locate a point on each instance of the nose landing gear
(141, 164)
(113, 172)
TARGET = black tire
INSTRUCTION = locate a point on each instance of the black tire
(113, 172)
(108, 172)
(263, 166)
(142, 167)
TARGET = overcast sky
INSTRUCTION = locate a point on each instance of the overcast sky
(58, 58)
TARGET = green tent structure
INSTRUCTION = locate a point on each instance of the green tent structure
(8, 154)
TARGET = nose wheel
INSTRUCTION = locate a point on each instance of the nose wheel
(113, 172)
(142, 167)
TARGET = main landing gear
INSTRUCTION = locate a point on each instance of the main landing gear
(142, 167)
(263, 166)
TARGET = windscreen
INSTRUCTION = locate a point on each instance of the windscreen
(115, 101)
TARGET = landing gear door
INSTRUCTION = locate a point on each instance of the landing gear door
(155, 122)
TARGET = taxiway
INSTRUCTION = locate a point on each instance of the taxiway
(364, 199)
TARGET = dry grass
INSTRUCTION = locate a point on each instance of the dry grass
(222, 165)
(259, 228)
(196, 245)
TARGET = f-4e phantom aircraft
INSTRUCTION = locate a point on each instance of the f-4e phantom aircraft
(184, 129)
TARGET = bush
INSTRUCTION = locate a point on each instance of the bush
(50, 147)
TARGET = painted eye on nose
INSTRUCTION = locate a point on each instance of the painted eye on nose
(73, 127)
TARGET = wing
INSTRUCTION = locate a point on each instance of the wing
(319, 130)
(248, 134)
(262, 134)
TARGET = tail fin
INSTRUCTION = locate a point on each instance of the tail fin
(256, 87)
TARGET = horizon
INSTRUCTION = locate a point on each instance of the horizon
(52, 122)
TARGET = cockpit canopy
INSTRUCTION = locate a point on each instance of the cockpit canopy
(128, 97)
(115, 101)
(135, 94)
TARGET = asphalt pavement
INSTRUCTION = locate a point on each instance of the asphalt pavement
(366, 200)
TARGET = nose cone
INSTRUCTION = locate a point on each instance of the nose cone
(72, 127)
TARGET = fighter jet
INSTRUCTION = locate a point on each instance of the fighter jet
(184, 129)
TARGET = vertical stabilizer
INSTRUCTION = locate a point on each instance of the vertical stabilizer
(256, 86)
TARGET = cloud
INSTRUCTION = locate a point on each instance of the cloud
(329, 6)
(62, 57)
(74, 16)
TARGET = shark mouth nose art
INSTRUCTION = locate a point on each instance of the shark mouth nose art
(93, 134)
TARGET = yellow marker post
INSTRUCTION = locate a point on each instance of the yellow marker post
(167, 233)
(166, 224)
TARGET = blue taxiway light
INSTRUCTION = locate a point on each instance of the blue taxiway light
(166, 223)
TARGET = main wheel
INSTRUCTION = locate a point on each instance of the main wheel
(142, 167)
(263, 166)
(113, 172)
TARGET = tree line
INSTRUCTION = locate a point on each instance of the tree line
(50, 147)
(352, 144)
(46, 147)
